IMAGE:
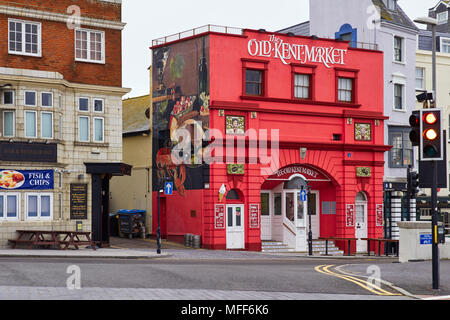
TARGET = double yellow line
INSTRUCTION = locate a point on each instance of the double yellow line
(364, 284)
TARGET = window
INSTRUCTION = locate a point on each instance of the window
(277, 204)
(8, 123)
(253, 82)
(391, 4)
(90, 46)
(30, 98)
(398, 49)
(47, 125)
(420, 78)
(328, 207)
(345, 90)
(30, 124)
(8, 97)
(39, 206)
(98, 130)
(47, 99)
(9, 206)
(398, 96)
(442, 17)
(83, 129)
(24, 37)
(265, 211)
(98, 105)
(83, 104)
(445, 45)
(302, 86)
(401, 154)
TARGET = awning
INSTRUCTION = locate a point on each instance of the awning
(113, 168)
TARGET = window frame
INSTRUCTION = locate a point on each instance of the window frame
(25, 98)
(442, 39)
(439, 14)
(5, 205)
(39, 196)
(94, 129)
(13, 97)
(261, 84)
(310, 78)
(404, 131)
(39, 38)
(3, 123)
(422, 79)
(88, 48)
(103, 105)
(403, 86)
(88, 128)
(52, 101)
(88, 104)
(402, 49)
(36, 123)
(42, 122)
(352, 81)
(391, 5)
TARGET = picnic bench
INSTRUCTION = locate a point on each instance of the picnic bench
(396, 242)
(49, 238)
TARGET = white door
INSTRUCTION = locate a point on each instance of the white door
(235, 227)
(277, 216)
(266, 216)
(361, 226)
(315, 215)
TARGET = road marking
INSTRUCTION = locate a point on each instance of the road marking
(364, 284)
(437, 298)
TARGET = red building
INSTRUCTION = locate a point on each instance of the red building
(318, 106)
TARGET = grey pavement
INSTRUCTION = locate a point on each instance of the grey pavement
(61, 293)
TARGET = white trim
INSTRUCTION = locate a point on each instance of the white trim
(423, 78)
(403, 107)
(52, 16)
(439, 3)
(89, 129)
(14, 123)
(39, 206)
(25, 121)
(441, 40)
(13, 97)
(89, 108)
(52, 101)
(103, 105)
(94, 127)
(42, 122)
(88, 48)
(443, 21)
(39, 38)
(25, 98)
(5, 206)
(402, 58)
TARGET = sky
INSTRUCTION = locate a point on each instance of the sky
(151, 19)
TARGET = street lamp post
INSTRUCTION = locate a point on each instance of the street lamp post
(310, 247)
(434, 213)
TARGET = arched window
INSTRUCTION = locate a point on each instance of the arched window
(361, 196)
(295, 184)
(233, 195)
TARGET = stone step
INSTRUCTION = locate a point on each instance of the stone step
(279, 250)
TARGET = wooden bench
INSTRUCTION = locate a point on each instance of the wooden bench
(338, 239)
(396, 242)
(38, 238)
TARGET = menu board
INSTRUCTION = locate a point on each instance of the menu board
(379, 217)
(78, 201)
(254, 216)
(219, 216)
(350, 215)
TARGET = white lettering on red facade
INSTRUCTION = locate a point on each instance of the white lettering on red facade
(277, 48)
(301, 170)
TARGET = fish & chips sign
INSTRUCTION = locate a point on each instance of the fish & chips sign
(292, 52)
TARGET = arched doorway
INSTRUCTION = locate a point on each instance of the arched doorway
(361, 221)
(284, 215)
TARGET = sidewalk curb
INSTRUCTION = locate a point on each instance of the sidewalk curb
(85, 256)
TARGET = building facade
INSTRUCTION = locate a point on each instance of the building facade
(380, 24)
(271, 116)
(424, 82)
(61, 114)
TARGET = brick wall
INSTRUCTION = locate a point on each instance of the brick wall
(89, 8)
(58, 50)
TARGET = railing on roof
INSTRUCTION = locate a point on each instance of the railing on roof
(197, 31)
(365, 45)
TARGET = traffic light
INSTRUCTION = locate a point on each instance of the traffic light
(431, 140)
(413, 183)
(414, 135)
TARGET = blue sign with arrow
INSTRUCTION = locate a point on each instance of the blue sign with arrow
(303, 195)
(168, 188)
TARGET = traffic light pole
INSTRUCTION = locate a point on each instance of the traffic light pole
(408, 195)
(434, 223)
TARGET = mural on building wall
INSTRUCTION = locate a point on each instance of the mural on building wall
(180, 100)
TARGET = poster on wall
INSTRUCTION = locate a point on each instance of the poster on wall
(350, 215)
(26, 179)
(219, 216)
(254, 216)
(78, 201)
(379, 215)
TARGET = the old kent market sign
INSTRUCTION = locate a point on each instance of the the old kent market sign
(275, 47)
